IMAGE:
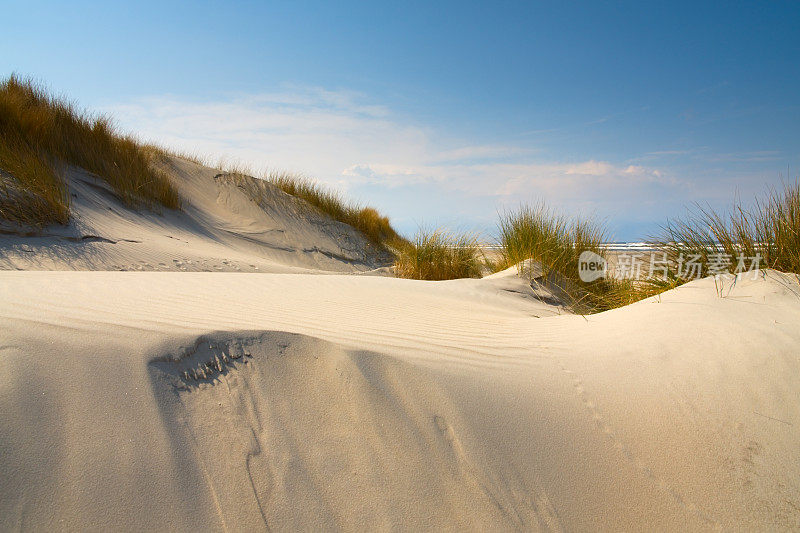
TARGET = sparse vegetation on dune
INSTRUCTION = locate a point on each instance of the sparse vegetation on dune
(616, 292)
(770, 230)
(431, 255)
(39, 134)
(375, 226)
(537, 239)
(164, 153)
(439, 255)
(367, 220)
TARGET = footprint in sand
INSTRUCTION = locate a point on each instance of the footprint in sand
(637, 462)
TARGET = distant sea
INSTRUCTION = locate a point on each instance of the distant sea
(610, 246)
(628, 246)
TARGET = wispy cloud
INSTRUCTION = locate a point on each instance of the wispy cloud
(748, 157)
(707, 155)
(311, 130)
(344, 140)
(690, 151)
(336, 137)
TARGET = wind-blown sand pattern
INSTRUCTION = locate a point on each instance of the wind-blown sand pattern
(292, 400)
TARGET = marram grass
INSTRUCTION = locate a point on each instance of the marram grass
(769, 230)
(41, 134)
(439, 255)
(552, 243)
(367, 220)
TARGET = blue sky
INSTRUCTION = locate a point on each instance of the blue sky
(447, 113)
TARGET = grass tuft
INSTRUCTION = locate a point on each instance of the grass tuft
(439, 255)
(769, 229)
(552, 240)
(40, 133)
(548, 246)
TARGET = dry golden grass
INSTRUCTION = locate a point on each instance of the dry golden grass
(40, 133)
(32, 191)
(439, 255)
(375, 226)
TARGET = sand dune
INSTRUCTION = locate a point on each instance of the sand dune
(219, 229)
(372, 402)
(284, 401)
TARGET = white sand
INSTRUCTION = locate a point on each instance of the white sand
(362, 402)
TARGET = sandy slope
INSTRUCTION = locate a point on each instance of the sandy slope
(289, 400)
(219, 229)
(374, 402)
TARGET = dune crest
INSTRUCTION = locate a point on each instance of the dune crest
(315, 434)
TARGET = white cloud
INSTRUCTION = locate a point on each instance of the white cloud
(590, 168)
